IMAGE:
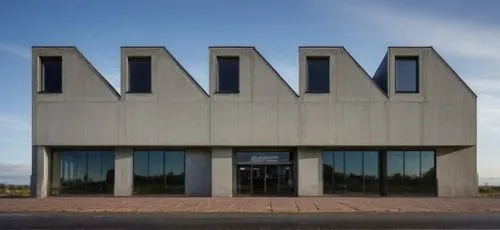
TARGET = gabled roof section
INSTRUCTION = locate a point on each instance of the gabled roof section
(110, 87)
(77, 51)
(367, 76)
(186, 72)
(276, 72)
(453, 71)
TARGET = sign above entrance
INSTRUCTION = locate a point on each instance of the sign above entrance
(262, 157)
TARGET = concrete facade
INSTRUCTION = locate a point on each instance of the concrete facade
(358, 112)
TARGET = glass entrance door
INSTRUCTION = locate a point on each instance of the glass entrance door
(272, 180)
(259, 179)
(244, 179)
(265, 180)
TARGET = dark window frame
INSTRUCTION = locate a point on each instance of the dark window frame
(417, 87)
(141, 58)
(218, 90)
(42, 78)
(308, 90)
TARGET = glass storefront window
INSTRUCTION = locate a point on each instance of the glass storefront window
(159, 172)
(350, 172)
(411, 172)
(86, 172)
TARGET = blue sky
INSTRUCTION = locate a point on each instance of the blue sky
(466, 33)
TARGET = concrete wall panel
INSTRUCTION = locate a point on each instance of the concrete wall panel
(457, 172)
(222, 172)
(309, 170)
(124, 172)
(405, 124)
(354, 128)
(198, 172)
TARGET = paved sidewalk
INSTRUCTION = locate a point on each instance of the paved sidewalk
(248, 204)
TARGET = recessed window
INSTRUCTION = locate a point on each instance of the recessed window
(406, 74)
(318, 75)
(139, 70)
(228, 74)
(51, 74)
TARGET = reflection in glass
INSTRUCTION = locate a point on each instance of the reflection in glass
(339, 175)
(371, 171)
(411, 172)
(428, 173)
(395, 171)
(354, 171)
(159, 172)
(82, 172)
(174, 171)
(327, 172)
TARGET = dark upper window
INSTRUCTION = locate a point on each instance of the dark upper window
(229, 74)
(51, 74)
(139, 70)
(318, 74)
(406, 74)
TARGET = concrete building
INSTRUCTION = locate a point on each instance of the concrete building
(408, 131)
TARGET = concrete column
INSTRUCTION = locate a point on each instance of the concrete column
(198, 172)
(55, 165)
(41, 174)
(309, 172)
(124, 172)
(456, 172)
(222, 172)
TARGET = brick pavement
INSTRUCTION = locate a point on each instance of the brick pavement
(249, 204)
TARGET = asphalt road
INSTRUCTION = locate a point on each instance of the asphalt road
(252, 221)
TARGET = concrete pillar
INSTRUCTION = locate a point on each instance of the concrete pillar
(198, 172)
(41, 174)
(456, 172)
(124, 170)
(222, 172)
(309, 172)
(55, 165)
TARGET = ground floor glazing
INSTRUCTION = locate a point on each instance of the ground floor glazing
(242, 172)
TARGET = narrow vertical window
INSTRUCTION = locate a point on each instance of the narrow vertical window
(407, 75)
(318, 75)
(139, 72)
(51, 74)
(228, 75)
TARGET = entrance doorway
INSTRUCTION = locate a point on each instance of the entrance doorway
(264, 174)
(265, 180)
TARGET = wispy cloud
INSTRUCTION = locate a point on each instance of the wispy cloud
(15, 173)
(23, 52)
(457, 36)
(457, 39)
(13, 123)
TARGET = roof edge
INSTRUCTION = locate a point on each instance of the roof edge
(276, 72)
(186, 72)
(454, 72)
